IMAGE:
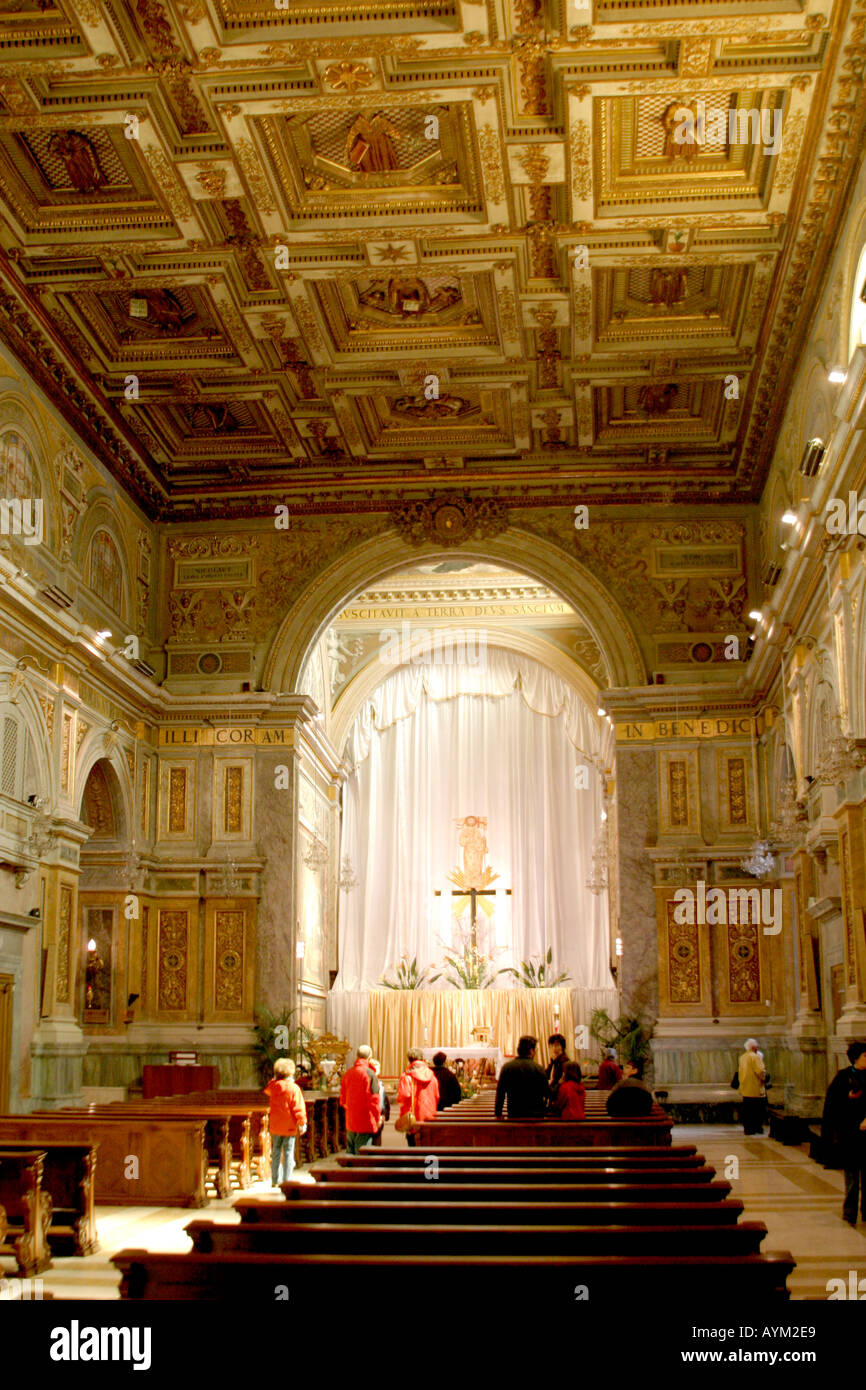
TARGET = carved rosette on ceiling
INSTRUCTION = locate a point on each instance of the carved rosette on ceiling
(453, 519)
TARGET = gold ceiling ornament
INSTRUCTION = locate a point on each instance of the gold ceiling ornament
(491, 163)
(451, 519)
(213, 181)
(581, 162)
(631, 206)
(349, 77)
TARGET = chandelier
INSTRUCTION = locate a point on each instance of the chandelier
(836, 763)
(226, 879)
(790, 822)
(316, 856)
(597, 880)
(348, 878)
(761, 863)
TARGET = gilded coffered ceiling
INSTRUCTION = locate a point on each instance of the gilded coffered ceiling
(342, 255)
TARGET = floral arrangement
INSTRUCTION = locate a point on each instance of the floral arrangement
(470, 969)
(540, 976)
(409, 975)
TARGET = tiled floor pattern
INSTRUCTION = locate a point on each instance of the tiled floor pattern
(799, 1201)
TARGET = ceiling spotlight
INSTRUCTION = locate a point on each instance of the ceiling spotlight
(836, 376)
(756, 615)
(789, 518)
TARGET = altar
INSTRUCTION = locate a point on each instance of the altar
(467, 1054)
(404, 1018)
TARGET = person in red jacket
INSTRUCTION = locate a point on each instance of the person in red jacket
(569, 1103)
(359, 1097)
(418, 1091)
(287, 1117)
(609, 1073)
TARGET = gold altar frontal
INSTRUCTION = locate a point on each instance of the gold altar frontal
(404, 1018)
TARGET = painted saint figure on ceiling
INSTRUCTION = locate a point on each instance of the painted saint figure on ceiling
(79, 159)
(668, 287)
(370, 144)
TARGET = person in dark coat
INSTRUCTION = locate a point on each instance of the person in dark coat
(844, 1128)
(522, 1084)
(385, 1104)
(630, 1097)
(559, 1061)
(449, 1087)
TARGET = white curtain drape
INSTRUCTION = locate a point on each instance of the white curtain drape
(500, 740)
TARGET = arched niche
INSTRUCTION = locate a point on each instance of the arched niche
(109, 795)
(373, 560)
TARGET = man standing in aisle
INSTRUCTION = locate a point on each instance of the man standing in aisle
(359, 1097)
(523, 1085)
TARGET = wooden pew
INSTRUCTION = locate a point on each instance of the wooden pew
(227, 1131)
(487, 1133)
(625, 1188)
(68, 1176)
(27, 1207)
(256, 1105)
(449, 1176)
(487, 1211)
(390, 1159)
(314, 1281)
(210, 1237)
(170, 1152)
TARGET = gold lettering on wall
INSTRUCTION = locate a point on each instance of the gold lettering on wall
(173, 949)
(177, 800)
(229, 975)
(233, 800)
(64, 928)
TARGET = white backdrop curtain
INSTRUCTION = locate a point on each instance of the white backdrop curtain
(500, 740)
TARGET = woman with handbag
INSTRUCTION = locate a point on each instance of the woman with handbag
(417, 1096)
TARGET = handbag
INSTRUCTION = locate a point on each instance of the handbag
(407, 1124)
(735, 1080)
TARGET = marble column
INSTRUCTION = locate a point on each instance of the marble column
(851, 819)
(638, 827)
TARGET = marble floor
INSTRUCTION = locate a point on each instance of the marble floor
(799, 1201)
